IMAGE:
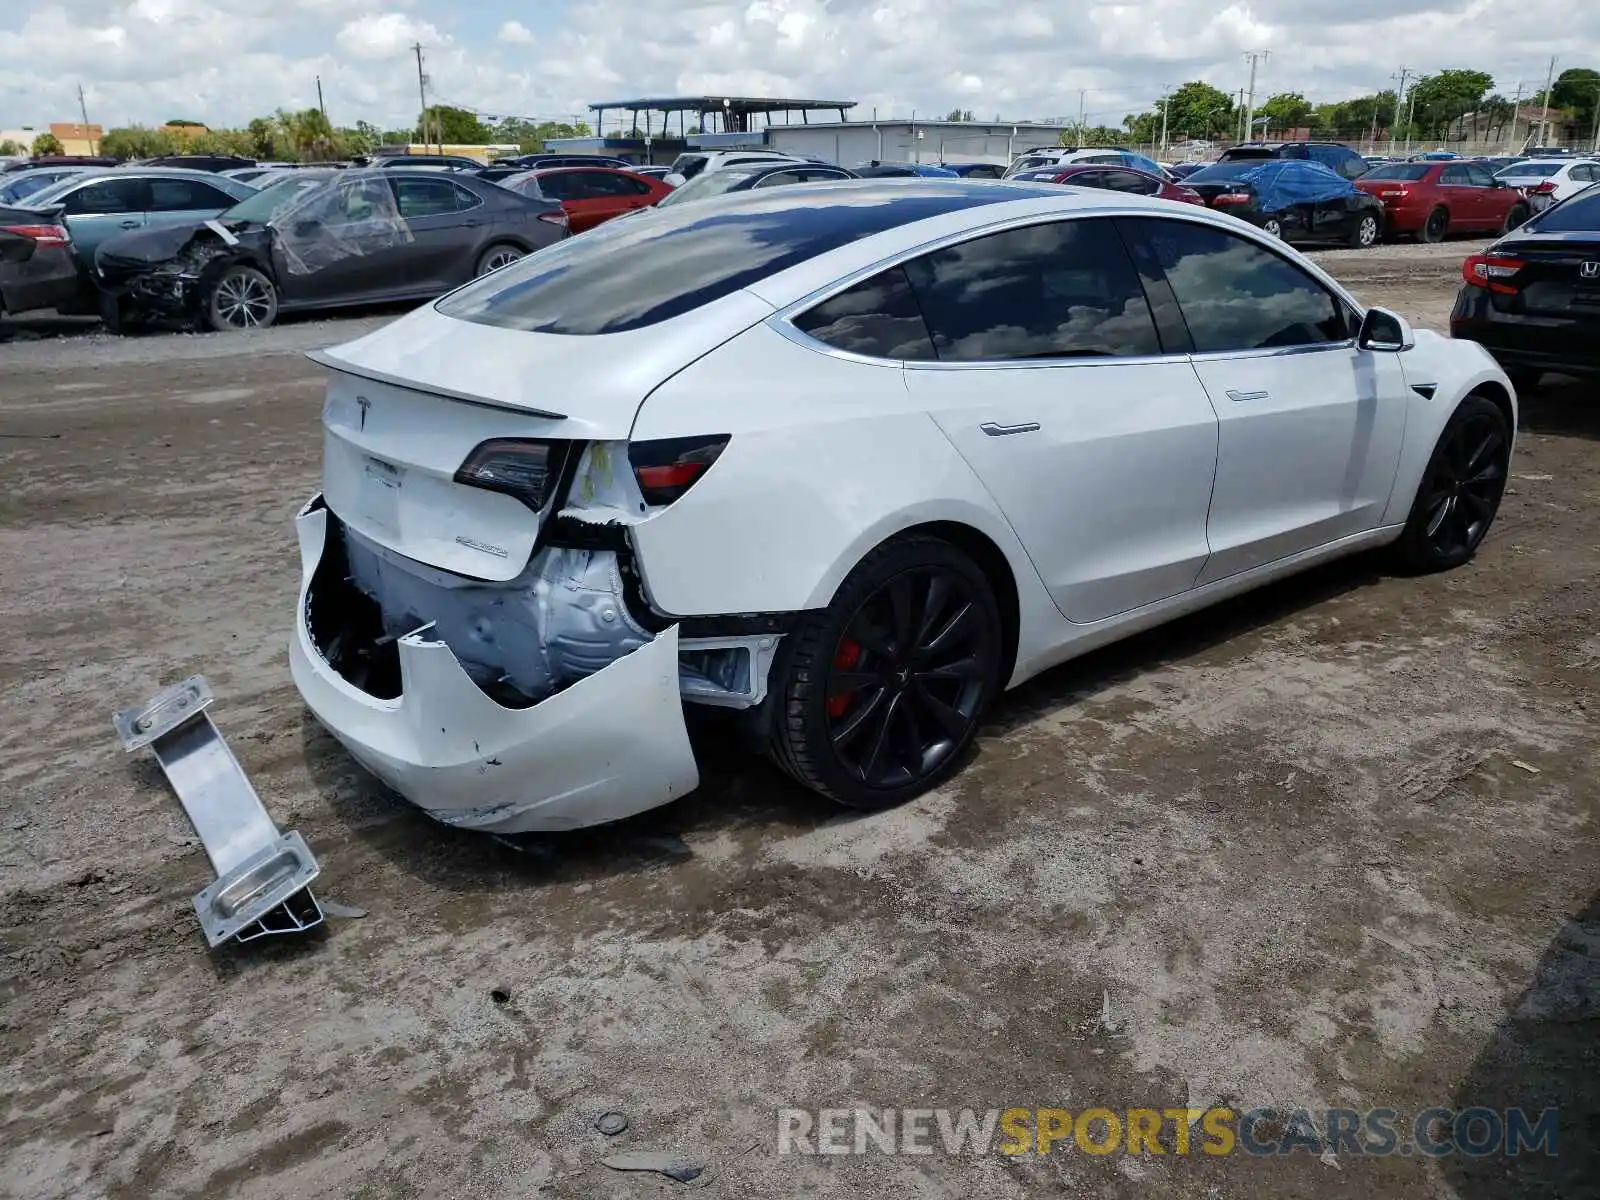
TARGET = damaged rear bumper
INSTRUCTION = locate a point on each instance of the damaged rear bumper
(606, 746)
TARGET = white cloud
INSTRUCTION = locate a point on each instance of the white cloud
(224, 61)
(384, 35)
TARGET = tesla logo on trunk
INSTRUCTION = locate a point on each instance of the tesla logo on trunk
(1590, 270)
(363, 404)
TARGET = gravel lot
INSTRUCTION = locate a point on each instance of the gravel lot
(1279, 854)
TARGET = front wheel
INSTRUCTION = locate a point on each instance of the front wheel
(1460, 490)
(1272, 227)
(876, 697)
(241, 298)
(1365, 233)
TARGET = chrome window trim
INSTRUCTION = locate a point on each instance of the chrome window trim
(782, 321)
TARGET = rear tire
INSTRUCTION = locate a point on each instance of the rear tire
(875, 699)
(1435, 227)
(1272, 227)
(240, 298)
(1514, 218)
(501, 254)
(1366, 231)
(1460, 491)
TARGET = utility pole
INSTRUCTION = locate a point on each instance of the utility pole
(320, 105)
(1544, 117)
(422, 95)
(1164, 102)
(1399, 98)
(1238, 118)
(1083, 94)
(83, 111)
(1255, 56)
(1516, 108)
(1411, 117)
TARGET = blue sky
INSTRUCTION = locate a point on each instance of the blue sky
(223, 61)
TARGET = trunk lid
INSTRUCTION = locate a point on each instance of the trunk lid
(1560, 276)
(408, 404)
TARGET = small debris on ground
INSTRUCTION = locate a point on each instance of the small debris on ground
(500, 995)
(1522, 766)
(1536, 478)
(349, 912)
(611, 1123)
(670, 1165)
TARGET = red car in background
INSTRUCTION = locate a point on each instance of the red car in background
(1431, 199)
(589, 195)
(1112, 179)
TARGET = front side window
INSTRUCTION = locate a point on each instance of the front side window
(878, 317)
(105, 196)
(1132, 181)
(1479, 175)
(1066, 289)
(1455, 176)
(181, 195)
(1236, 295)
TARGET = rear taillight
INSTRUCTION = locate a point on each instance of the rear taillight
(1395, 193)
(44, 235)
(1233, 198)
(1189, 196)
(555, 218)
(669, 467)
(517, 467)
(1546, 188)
(1491, 271)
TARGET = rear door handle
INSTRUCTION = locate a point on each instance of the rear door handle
(1242, 397)
(994, 430)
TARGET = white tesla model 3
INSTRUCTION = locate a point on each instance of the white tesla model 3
(854, 457)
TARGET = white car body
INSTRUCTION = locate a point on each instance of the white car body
(1568, 175)
(680, 174)
(1136, 490)
(1035, 159)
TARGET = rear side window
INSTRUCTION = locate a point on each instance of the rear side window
(181, 195)
(1065, 289)
(667, 261)
(1132, 181)
(878, 317)
(428, 197)
(1236, 295)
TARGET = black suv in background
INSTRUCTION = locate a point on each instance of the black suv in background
(1334, 155)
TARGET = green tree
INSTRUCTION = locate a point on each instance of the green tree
(181, 123)
(46, 143)
(959, 114)
(530, 136)
(1286, 110)
(307, 135)
(1578, 92)
(1442, 99)
(1199, 110)
(8, 147)
(455, 126)
(136, 141)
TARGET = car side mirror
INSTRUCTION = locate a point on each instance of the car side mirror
(1385, 331)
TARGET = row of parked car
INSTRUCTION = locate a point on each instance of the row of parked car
(234, 246)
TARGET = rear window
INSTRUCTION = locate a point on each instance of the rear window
(1254, 152)
(1530, 171)
(1410, 172)
(662, 263)
(1577, 214)
(688, 165)
(1224, 172)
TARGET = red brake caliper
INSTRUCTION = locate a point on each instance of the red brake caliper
(846, 658)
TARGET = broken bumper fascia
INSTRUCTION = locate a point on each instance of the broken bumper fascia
(606, 747)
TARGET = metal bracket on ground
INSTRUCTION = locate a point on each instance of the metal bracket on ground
(263, 876)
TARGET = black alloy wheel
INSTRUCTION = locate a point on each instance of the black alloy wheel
(882, 691)
(1461, 489)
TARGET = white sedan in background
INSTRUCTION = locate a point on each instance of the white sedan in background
(853, 457)
(1548, 180)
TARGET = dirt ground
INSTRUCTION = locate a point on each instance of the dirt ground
(1333, 844)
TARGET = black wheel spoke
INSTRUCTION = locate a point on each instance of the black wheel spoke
(951, 720)
(872, 639)
(900, 602)
(879, 737)
(908, 740)
(840, 682)
(961, 669)
(934, 602)
(1437, 517)
(1482, 510)
(1481, 456)
(854, 722)
(951, 635)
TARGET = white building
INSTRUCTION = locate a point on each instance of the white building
(850, 143)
